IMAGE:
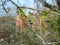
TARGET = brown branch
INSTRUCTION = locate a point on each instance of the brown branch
(3, 3)
(31, 8)
(24, 6)
(40, 38)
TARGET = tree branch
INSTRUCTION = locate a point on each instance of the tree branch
(3, 3)
(24, 6)
(30, 8)
(40, 38)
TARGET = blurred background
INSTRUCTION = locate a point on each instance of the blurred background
(29, 22)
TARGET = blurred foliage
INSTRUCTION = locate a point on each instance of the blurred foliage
(51, 29)
(58, 44)
(45, 24)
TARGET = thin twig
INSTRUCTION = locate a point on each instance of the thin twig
(3, 3)
(43, 41)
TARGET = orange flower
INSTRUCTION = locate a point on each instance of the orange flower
(42, 23)
(21, 22)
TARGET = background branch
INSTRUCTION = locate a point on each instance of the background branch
(3, 3)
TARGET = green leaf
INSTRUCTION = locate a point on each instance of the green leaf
(58, 44)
